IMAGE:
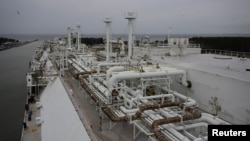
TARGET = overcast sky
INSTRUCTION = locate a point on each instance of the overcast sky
(153, 16)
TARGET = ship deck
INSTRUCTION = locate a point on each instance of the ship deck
(99, 127)
(227, 66)
(33, 131)
(89, 116)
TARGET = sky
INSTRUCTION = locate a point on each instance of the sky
(153, 16)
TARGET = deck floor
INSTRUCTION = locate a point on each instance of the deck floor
(33, 131)
(87, 112)
(90, 117)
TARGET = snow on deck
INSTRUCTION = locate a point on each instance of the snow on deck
(232, 67)
(60, 120)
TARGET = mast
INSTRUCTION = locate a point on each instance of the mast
(108, 23)
(69, 37)
(130, 16)
(78, 37)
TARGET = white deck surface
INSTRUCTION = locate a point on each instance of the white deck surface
(33, 131)
(89, 115)
(60, 120)
(232, 68)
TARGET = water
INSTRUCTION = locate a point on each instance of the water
(13, 67)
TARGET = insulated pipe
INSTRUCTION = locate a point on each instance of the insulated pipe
(128, 111)
(154, 96)
(113, 117)
(210, 119)
(177, 134)
(189, 135)
(101, 88)
(85, 74)
(194, 114)
(190, 101)
(79, 64)
(170, 136)
(135, 94)
(99, 65)
(90, 92)
(130, 101)
(101, 80)
(184, 75)
(143, 99)
(131, 91)
(109, 64)
(193, 125)
(113, 69)
(125, 76)
(171, 130)
(166, 114)
(201, 138)
(214, 120)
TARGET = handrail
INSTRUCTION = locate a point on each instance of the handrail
(226, 53)
(166, 45)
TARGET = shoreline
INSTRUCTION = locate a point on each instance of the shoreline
(9, 45)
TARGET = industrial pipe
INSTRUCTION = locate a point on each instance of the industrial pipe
(213, 119)
(101, 88)
(113, 117)
(193, 125)
(125, 76)
(193, 114)
(128, 111)
(113, 69)
(190, 101)
(171, 130)
(155, 96)
(90, 92)
(109, 64)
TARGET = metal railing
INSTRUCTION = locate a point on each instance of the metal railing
(226, 53)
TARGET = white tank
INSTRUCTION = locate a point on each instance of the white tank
(183, 43)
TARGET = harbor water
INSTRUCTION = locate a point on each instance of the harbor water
(14, 64)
